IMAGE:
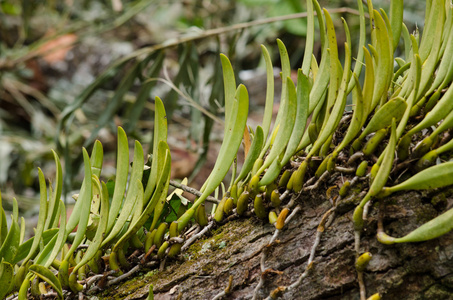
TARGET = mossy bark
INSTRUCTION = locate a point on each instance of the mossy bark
(411, 271)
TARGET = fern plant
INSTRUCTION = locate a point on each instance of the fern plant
(390, 107)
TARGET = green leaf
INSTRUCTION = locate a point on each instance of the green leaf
(310, 38)
(6, 278)
(158, 203)
(161, 190)
(85, 197)
(285, 128)
(396, 19)
(54, 246)
(41, 218)
(431, 178)
(383, 117)
(252, 155)
(47, 275)
(122, 171)
(52, 209)
(24, 248)
(337, 111)
(227, 153)
(269, 106)
(362, 41)
(3, 223)
(229, 86)
(302, 96)
(160, 134)
(95, 244)
(286, 72)
(384, 68)
(10, 245)
(131, 196)
(358, 117)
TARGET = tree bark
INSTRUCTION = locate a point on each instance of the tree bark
(407, 271)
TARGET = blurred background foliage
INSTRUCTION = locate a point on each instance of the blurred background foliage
(72, 71)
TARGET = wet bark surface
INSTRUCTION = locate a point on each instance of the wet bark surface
(406, 271)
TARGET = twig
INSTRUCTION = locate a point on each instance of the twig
(292, 201)
(345, 170)
(284, 195)
(226, 291)
(326, 220)
(366, 208)
(93, 279)
(361, 285)
(192, 191)
(316, 185)
(355, 156)
(293, 213)
(197, 236)
(124, 276)
(260, 283)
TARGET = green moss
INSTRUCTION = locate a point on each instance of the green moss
(437, 292)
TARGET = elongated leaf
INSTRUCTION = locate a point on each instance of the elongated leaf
(302, 96)
(10, 245)
(437, 227)
(357, 116)
(86, 194)
(440, 111)
(444, 73)
(362, 42)
(47, 275)
(160, 134)
(164, 153)
(429, 32)
(430, 65)
(385, 60)
(54, 246)
(24, 248)
(337, 111)
(310, 38)
(52, 209)
(286, 72)
(229, 86)
(161, 190)
(95, 244)
(286, 126)
(335, 72)
(231, 144)
(41, 218)
(122, 170)
(322, 78)
(6, 278)
(386, 166)
(396, 17)
(3, 223)
(131, 197)
(416, 75)
(267, 116)
(383, 117)
(430, 178)
(252, 155)
(227, 153)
